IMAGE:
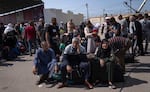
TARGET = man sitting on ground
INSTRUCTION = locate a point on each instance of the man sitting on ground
(44, 63)
(67, 65)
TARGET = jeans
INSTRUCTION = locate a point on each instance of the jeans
(30, 44)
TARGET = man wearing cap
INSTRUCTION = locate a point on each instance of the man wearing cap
(103, 30)
(67, 65)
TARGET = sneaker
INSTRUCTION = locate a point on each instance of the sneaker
(112, 86)
(40, 85)
(89, 86)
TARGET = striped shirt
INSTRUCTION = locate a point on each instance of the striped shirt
(118, 42)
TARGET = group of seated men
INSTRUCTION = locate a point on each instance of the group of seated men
(45, 63)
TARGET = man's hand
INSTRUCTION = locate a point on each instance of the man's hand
(34, 70)
(102, 63)
(56, 69)
(69, 68)
(49, 45)
(135, 37)
(78, 49)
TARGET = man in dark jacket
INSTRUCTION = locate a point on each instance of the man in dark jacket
(135, 29)
(52, 36)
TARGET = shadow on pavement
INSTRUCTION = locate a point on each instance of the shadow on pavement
(68, 86)
(129, 82)
(5, 64)
(140, 68)
(20, 59)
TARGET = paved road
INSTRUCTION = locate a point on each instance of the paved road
(16, 76)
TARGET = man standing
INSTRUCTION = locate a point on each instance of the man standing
(41, 31)
(2, 28)
(124, 26)
(146, 31)
(114, 28)
(52, 36)
(70, 26)
(104, 29)
(30, 36)
(135, 29)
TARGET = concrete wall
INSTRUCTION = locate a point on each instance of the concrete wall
(96, 20)
(100, 19)
(61, 16)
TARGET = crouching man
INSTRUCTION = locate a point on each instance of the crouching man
(74, 49)
(44, 63)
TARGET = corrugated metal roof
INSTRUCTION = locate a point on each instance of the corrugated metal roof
(10, 6)
(20, 10)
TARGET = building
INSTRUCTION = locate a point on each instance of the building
(61, 16)
(20, 10)
(95, 20)
(100, 19)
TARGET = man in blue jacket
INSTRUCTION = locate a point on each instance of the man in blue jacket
(44, 63)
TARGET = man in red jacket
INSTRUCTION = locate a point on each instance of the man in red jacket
(30, 36)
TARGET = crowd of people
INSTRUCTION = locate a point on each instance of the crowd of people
(66, 48)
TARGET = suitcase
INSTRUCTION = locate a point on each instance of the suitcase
(118, 74)
(97, 73)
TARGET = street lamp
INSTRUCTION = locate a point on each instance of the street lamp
(87, 10)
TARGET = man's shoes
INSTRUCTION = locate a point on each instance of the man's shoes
(39, 82)
(112, 86)
(40, 85)
(61, 85)
(89, 86)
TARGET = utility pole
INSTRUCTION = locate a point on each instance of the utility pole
(87, 10)
(130, 6)
(103, 12)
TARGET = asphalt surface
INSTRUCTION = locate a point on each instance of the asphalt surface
(16, 76)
